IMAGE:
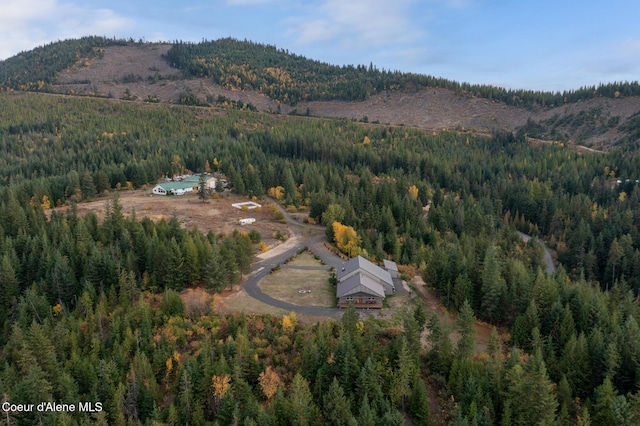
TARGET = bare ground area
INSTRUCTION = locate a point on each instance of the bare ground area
(215, 215)
(275, 251)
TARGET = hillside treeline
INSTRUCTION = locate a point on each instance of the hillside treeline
(98, 296)
(291, 78)
(36, 69)
(279, 74)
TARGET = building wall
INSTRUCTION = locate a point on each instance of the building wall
(366, 298)
(159, 190)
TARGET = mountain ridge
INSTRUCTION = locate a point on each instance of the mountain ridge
(148, 72)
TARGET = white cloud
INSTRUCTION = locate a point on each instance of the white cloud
(355, 24)
(25, 24)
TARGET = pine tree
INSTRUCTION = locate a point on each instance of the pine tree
(603, 400)
(405, 373)
(202, 187)
(366, 415)
(336, 406)
(9, 290)
(530, 393)
(441, 353)
(303, 410)
(466, 321)
(493, 287)
(418, 404)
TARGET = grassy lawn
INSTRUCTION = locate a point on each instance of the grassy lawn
(242, 302)
(286, 283)
(305, 259)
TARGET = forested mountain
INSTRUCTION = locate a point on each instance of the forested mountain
(246, 74)
(90, 310)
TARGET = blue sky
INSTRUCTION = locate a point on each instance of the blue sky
(541, 45)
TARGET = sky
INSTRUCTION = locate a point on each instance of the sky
(548, 45)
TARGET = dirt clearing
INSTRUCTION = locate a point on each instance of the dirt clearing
(215, 215)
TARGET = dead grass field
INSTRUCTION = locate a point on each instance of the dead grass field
(287, 283)
(215, 215)
(238, 300)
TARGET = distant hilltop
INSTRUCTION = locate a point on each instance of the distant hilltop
(229, 73)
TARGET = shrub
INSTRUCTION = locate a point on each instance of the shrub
(254, 236)
(172, 304)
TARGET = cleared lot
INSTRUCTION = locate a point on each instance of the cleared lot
(301, 282)
(215, 215)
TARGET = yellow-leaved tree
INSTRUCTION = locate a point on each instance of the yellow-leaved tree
(276, 192)
(347, 239)
(269, 381)
(413, 192)
(220, 386)
(289, 322)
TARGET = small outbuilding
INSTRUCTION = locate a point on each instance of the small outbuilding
(391, 266)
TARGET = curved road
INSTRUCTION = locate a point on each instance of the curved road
(261, 269)
(548, 258)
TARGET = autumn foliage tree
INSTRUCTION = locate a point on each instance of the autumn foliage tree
(269, 382)
(346, 239)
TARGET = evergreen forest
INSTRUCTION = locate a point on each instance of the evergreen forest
(90, 309)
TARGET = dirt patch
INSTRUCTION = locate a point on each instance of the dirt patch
(215, 215)
(121, 63)
(278, 248)
(302, 287)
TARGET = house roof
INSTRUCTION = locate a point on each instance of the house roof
(390, 265)
(175, 185)
(196, 178)
(363, 264)
(359, 283)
